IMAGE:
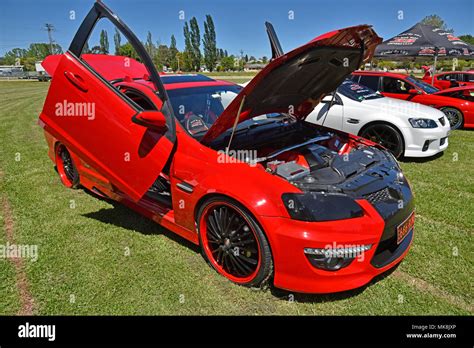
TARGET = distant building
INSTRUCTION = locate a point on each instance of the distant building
(254, 66)
(11, 70)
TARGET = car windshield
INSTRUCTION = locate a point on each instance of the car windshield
(422, 85)
(197, 108)
(357, 92)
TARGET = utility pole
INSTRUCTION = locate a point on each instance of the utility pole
(50, 28)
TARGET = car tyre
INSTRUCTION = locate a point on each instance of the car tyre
(455, 117)
(387, 136)
(66, 168)
(233, 243)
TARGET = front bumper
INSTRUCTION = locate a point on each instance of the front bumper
(427, 142)
(293, 270)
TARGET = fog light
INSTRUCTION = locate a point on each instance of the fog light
(333, 259)
(426, 145)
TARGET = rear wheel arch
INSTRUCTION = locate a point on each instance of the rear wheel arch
(209, 196)
(70, 178)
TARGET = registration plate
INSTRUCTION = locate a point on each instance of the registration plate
(405, 227)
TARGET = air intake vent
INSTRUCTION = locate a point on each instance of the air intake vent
(442, 120)
(383, 195)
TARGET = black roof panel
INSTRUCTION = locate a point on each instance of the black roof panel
(167, 79)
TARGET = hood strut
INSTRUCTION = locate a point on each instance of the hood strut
(236, 121)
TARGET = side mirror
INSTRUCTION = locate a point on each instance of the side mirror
(151, 119)
(413, 91)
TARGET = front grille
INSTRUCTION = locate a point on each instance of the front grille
(442, 120)
(382, 195)
(388, 251)
(442, 141)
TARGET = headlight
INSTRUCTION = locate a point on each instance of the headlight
(315, 206)
(422, 123)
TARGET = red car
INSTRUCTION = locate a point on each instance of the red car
(464, 92)
(450, 79)
(459, 111)
(267, 196)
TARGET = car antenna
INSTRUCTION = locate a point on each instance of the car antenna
(329, 107)
(236, 122)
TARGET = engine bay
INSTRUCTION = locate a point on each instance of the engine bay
(311, 157)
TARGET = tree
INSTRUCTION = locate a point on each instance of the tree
(104, 42)
(127, 50)
(227, 63)
(179, 61)
(209, 43)
(150, 48)
(436, 21)
(162, 56)
(117, 40)
(264, 60)
(28, 57)
(195, 37)
(173, 51)
(86, 48)
(467, 38)
(187, 62)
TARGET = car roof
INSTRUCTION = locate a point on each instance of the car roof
(178, 81)
(379, 73)
(180, 78)
(456, 72)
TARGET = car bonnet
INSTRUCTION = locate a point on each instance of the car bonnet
(296, 81)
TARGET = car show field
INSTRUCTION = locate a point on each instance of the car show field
(85, 244)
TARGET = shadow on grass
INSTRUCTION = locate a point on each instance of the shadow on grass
(421, 159)
(321, 298)
(122, 216)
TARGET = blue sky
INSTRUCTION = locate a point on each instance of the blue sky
(239, 24)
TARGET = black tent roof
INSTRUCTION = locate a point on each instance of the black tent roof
(423, 41)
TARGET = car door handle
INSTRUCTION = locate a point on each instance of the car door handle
(76, 80)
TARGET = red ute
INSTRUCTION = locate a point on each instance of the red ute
(267, 196)
(458, 110)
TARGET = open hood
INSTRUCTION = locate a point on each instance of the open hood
(296, 81)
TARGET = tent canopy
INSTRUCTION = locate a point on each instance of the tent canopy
(424, 41)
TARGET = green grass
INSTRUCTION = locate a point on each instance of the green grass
(82, 249)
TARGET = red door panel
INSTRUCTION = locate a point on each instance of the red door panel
(397, 95)
(95, 122)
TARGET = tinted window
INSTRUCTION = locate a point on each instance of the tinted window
(422, 85)
(393, 85)
(355, 78)
(370, 81)
(197, 108)
(357, 92)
